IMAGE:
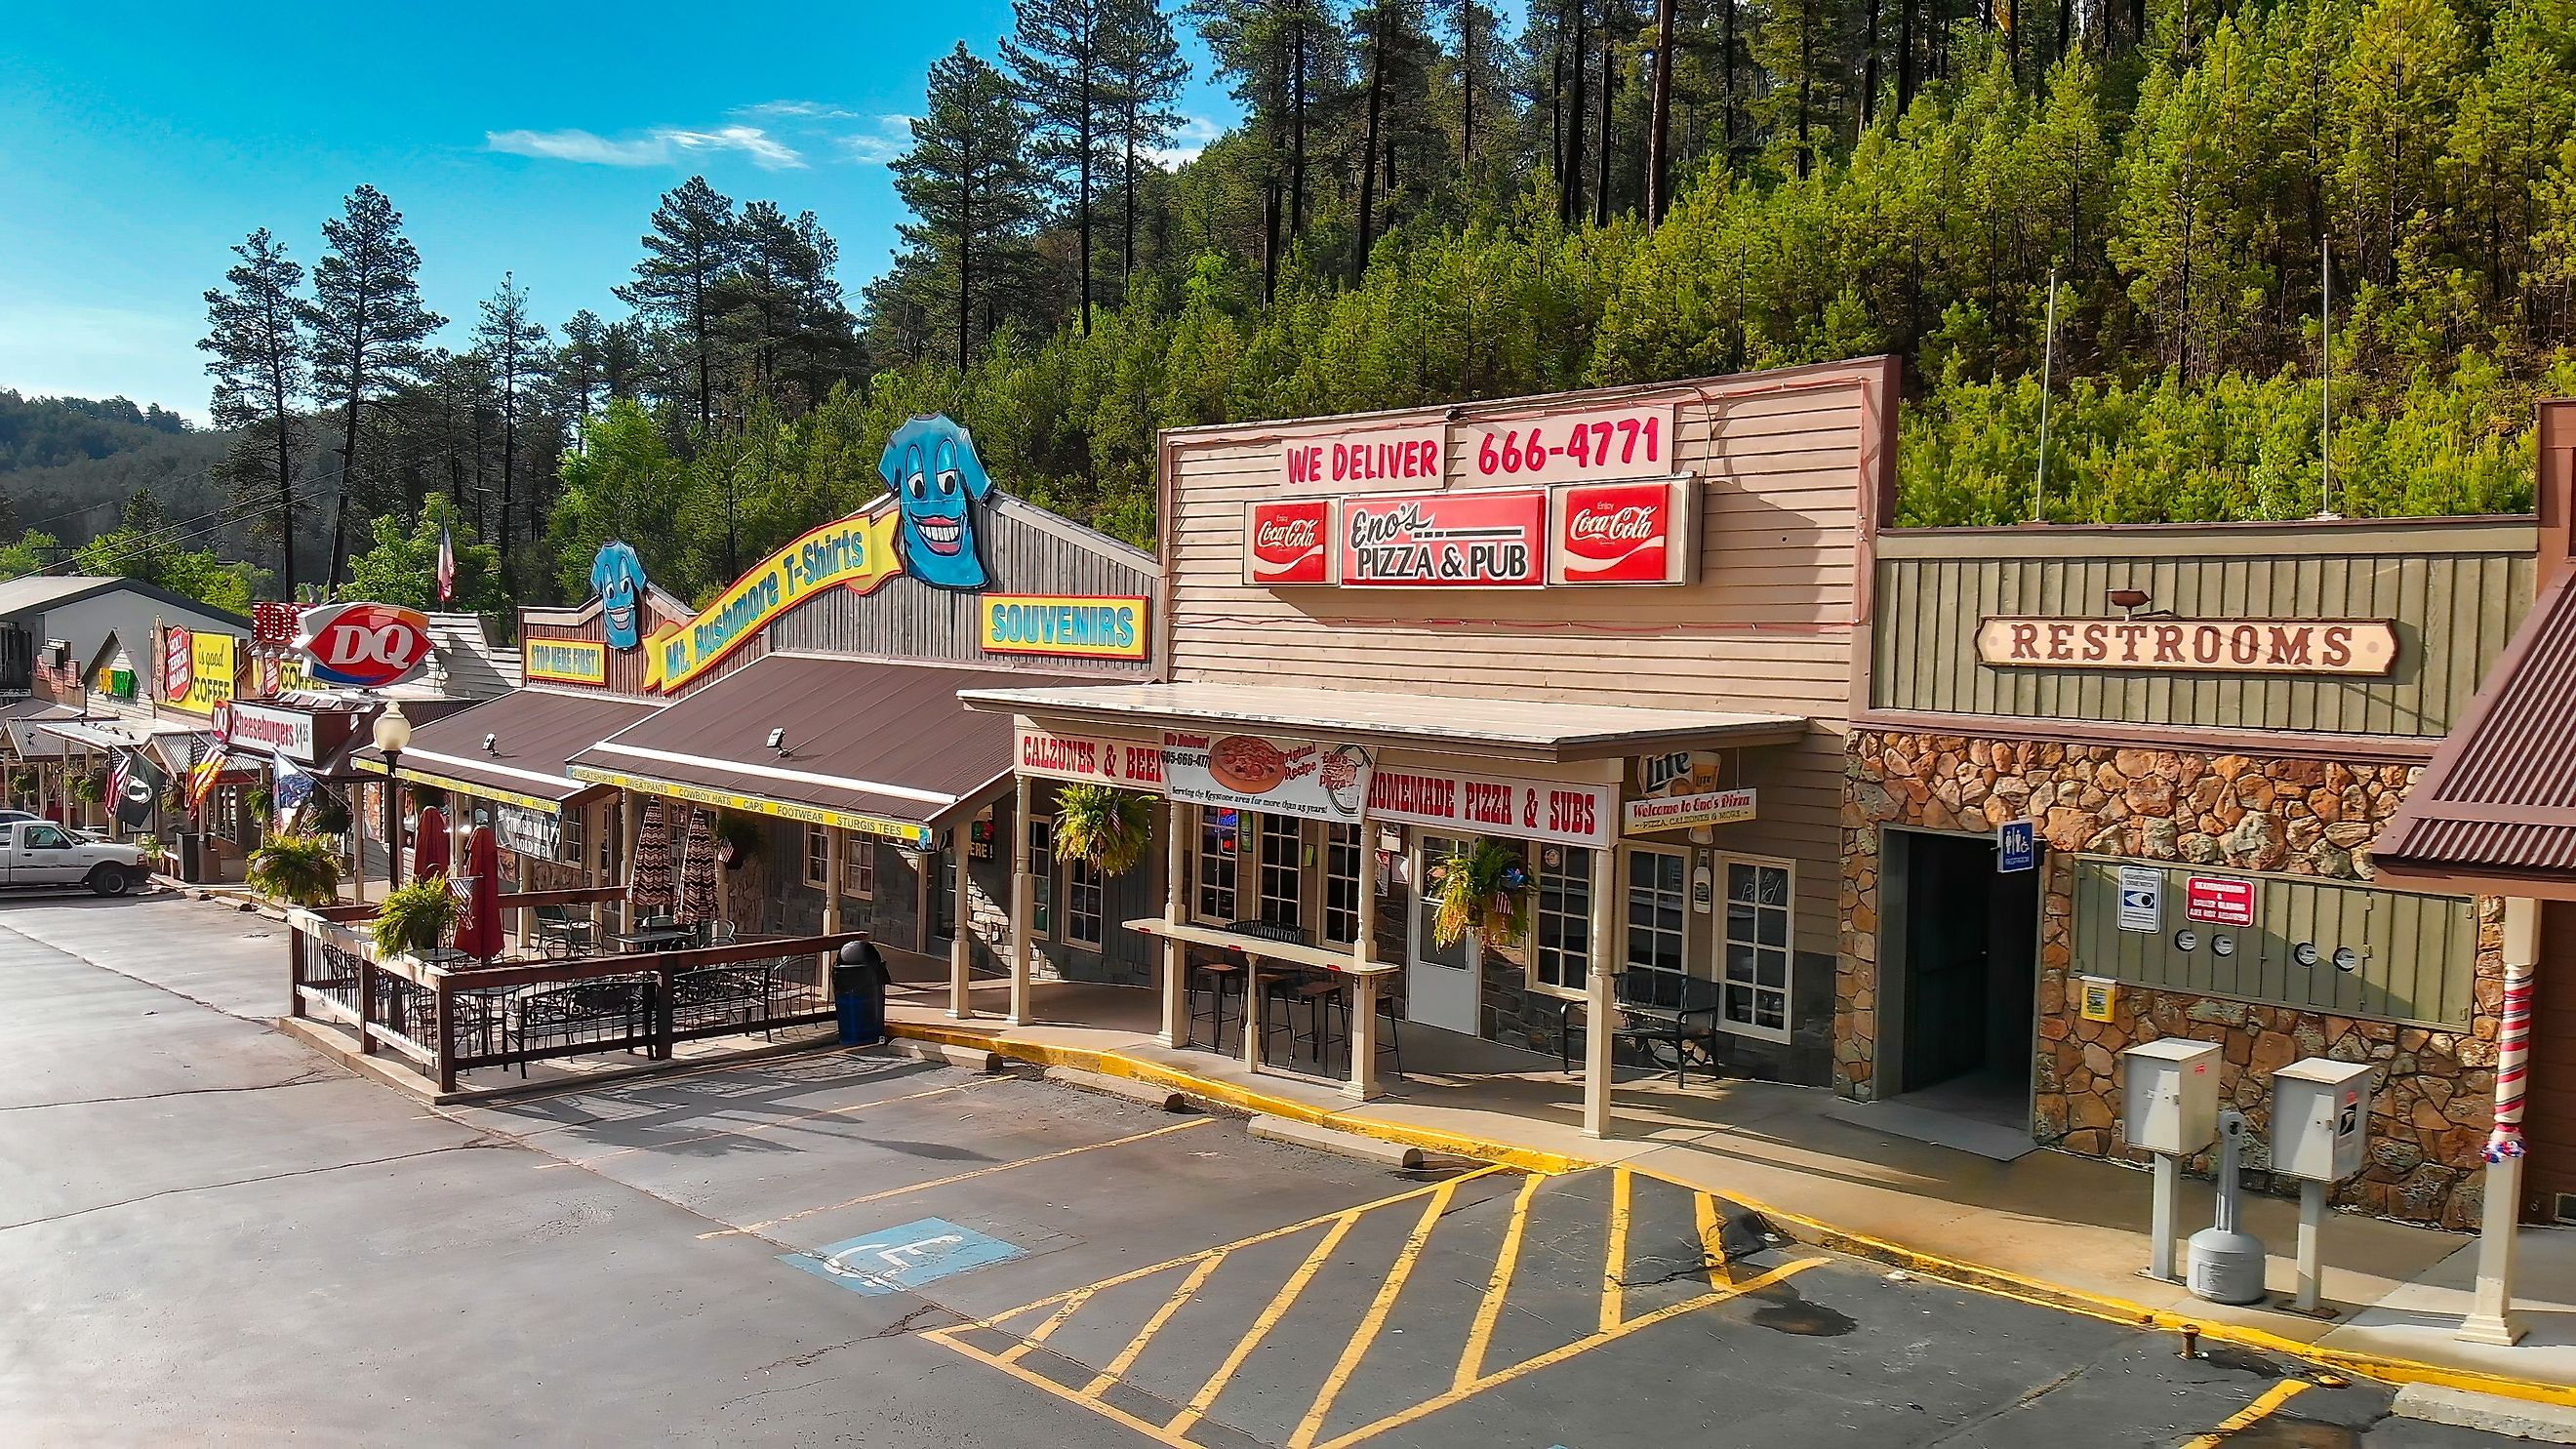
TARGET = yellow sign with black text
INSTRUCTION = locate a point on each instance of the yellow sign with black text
(915, 835)
(210, 673)
(854, 553)
(1082, 626)
(565, 661)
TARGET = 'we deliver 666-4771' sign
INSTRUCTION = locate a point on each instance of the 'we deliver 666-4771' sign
(367, 646)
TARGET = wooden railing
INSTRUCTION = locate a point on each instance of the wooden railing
(448, 1018)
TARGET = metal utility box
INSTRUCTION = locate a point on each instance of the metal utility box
(2320, 1118)
(2171, 1095)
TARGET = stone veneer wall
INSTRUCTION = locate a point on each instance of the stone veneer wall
(2435, 1091)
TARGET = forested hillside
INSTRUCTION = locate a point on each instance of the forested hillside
(1419, 204)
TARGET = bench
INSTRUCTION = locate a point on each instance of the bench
(1671, 1018)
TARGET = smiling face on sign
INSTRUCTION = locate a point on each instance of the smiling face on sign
(937, 480)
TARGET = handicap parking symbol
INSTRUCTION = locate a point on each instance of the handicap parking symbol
(906, 1255)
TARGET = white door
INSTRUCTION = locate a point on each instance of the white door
(1441, 988)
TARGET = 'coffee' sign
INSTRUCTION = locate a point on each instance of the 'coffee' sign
(2192, 646)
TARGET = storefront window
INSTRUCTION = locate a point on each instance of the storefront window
(1341, 884)
(1283, 872)
(1041, 868)
(1084, 899)
(1563, 926)
(818, 857)
(859, 866)
(1658, 882)
(568, 837)
(1756, 961)
(1220, 834)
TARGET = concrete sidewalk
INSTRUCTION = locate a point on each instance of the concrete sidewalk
(2068, 1230)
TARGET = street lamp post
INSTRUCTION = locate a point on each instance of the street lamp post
(393, 735)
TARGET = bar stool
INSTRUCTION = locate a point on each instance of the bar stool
(1219, 978)
(1323, 995)
(1281, 989)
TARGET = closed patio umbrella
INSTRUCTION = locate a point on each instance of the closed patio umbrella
(479, 934)
(698, 871)
(649, 888)
(430, 846)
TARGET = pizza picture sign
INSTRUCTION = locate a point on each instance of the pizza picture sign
(1304, 778)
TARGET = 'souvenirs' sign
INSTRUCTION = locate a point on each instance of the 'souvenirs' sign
(2192, 646)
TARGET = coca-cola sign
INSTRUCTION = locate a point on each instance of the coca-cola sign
(1622, 533)
(1286, 542)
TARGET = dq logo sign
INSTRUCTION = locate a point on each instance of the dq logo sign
(366, 645)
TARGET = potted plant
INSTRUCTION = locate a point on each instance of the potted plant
(1483, 889)
(1107, 828)
(302, 869)
(416, 917)
(91, 788)
(22, 786)
(260, 803)
(151, 849)
(325, 814)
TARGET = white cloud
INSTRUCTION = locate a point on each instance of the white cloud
(660, 146)
(1193, 137)
(799, 111)
(891, 138)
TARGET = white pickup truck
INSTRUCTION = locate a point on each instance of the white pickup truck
(41, 853)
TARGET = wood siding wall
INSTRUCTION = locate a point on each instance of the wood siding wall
(2455, 589)
(1793, 466)
(908, 619)
(625, 666)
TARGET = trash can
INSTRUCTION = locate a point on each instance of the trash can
(859, 994)
(189, 858)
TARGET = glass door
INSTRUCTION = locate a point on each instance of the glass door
(1441, 985)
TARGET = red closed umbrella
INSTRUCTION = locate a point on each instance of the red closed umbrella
(479, 934)
(429, 851)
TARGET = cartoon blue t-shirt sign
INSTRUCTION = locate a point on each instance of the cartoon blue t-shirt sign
(617, 576)
(937, 480)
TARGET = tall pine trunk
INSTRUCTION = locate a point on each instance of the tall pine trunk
(1297, 136)
(1368, 149)
(1659, 127)
(1904, 55)
(1082, 201)
(1869, 64)
(1571, 190)
(1466, 86)
(1726, 43)
(1806, 80)
(1601, 163)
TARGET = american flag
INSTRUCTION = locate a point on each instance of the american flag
(446, 564)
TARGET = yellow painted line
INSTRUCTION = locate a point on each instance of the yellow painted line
(2253, 1413)
(1480, 1335)
(1135, 1348)
(1614, 1266)
(1712, 1243)
(958, 1177)
(1034, 1379)
(1280, 1303)
(1374, 1321)
(756, 1128)
(1055, 1320)
(1527, 1367)
(1131, 1275)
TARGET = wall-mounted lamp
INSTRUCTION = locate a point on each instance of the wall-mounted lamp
(2128, 601)
(778, 741)
(491, 744)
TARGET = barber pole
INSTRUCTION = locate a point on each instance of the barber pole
(2513, 1056)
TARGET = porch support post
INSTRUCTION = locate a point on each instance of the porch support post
(1361, 1036)
(1252, 1003)
(1021, 886)
(1176, 975)
(834, 843)
(1600, 1009)
(961, 954)
(594, 830)
(630, 809)
(2491, 1319)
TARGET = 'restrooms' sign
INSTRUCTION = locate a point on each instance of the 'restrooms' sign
(2210, 646)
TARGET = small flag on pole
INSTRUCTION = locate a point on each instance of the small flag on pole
(446, 564)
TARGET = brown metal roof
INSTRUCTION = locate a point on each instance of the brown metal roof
(862, 737)
(536, 733)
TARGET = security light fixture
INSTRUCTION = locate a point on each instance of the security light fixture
(2128, 598)
(778, 741)
(491, 744)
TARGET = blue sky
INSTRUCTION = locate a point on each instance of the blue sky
(139, 142)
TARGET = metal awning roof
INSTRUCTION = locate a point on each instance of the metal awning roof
(2496, 808)
(535, 734)
(1521, 729)
(872, 745)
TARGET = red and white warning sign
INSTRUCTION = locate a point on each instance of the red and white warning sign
(2218, 900)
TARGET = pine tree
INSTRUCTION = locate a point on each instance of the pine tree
(261, 371)
(514, 346)
(1143, 72)
(368, 325)
(693, 244)
(968, 181)
(1058, 50)
(581, 364)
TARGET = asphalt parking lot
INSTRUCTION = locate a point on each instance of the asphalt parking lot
(216, 1236)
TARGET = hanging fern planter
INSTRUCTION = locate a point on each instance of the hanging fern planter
(416, 917)
(1482, 890)
(1108, 829)
(303, 869)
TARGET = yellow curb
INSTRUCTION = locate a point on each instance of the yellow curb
(1805, 1229)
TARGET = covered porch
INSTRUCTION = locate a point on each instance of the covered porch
(1320, 899)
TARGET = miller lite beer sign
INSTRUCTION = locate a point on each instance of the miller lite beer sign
(367, 646)
(1288, 542)
(1623, 533)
